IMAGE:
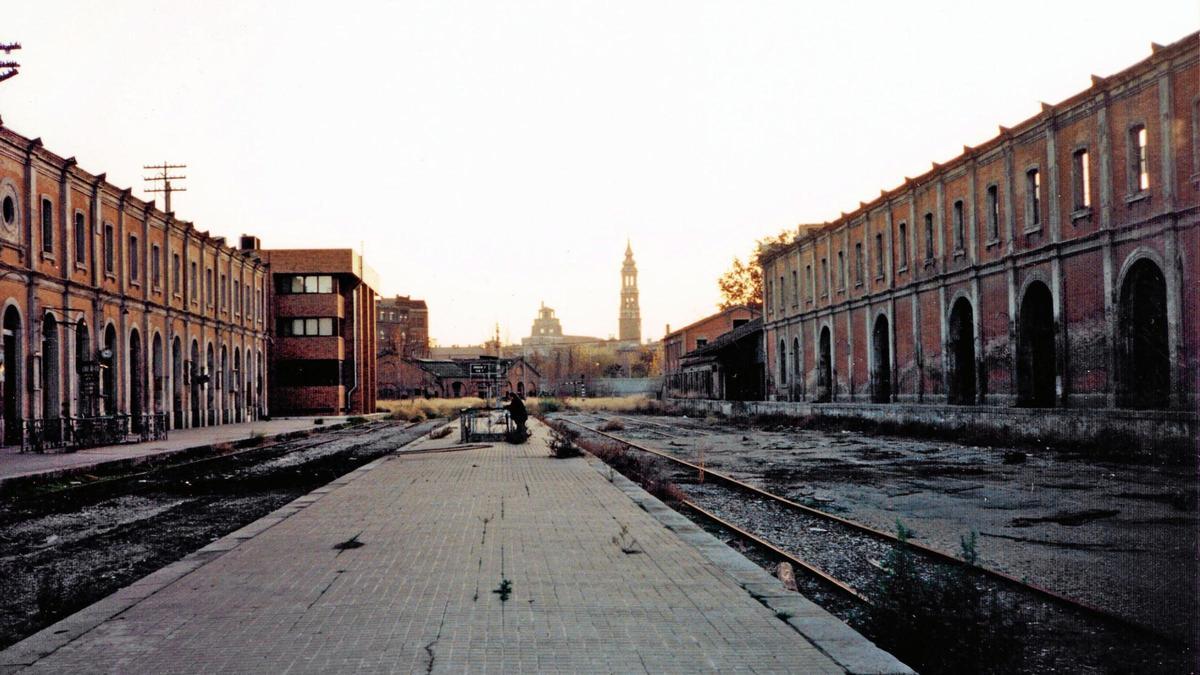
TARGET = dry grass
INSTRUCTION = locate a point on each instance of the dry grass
(419, 409)
(623, 404)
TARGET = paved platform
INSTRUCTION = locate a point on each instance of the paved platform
(17, 465)
(597, 583)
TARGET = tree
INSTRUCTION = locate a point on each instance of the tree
(742, 283)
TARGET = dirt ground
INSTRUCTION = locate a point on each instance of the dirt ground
(1120, 536)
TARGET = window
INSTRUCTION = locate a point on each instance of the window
(993, 212)
(224, 298)
(879, 255)
(194, 282)
(770, 291)
(782, 304)
(1139, 170)
(841, 269)
(47, 226)
(795, 290)
(1033, 202)
(1080, 183)
(176, 282)
(209, 291)
(812, 284)
(700, 342)
(80, 238)
(858, 264)
(155, 265)
(903, 245)
(108, 248)
(237, 297)
(310, 283)
(133, 258)
(928, 236)
(306, 327)
(959, 227)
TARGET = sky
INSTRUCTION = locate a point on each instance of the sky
(490, 156)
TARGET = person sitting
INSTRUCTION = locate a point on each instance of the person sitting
(518, 414)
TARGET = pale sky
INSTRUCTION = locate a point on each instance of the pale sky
(492, 155)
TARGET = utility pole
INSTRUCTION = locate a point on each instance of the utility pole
(165, 177)
(9, 68)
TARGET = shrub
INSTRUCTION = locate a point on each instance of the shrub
(612, 425)
(562, 442)
(645, 470)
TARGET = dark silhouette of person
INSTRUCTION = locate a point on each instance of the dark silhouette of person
(516, 410)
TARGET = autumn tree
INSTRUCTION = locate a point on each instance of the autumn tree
(742, 283)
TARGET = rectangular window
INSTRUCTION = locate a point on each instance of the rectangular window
(812, 284)
(959, 227)
(108, 248)
(80, 238)
(194, 282)
(858, 264)
(310, 283)
(782, 304)
(307, 327)
(1139, 169)
(928, 236)
(903, 244)
(1080, 183)
(155, 265)
(879, 255)
(237, 297)
(209, 290)
(47, 226)
(134, 258)
(224, 299)
(176, 282)
(795, 290)
(841, 269)
(1033, 199)
(993, 212)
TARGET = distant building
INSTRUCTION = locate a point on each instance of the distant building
(697, 334)
(630, 320)
(482, 376)
(731, 367)
(323, 315)
(403, 327)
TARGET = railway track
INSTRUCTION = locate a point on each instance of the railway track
(830, 578)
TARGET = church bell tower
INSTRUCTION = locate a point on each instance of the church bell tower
(631, 317)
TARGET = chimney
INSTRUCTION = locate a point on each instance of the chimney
(249, 242)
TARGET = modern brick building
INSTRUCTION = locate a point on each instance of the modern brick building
(1051, 266)
(678, 343)
(403, 327)
(114, 308)
(322, 315)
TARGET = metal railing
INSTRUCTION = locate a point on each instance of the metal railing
(477, 425)
(75, 433)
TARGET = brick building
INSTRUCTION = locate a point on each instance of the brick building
(676, 344)
(403, 327)
(481, 376)
(1053, 265)
(323, 317)
(114, 308)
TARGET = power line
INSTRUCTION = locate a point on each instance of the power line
(164, 176)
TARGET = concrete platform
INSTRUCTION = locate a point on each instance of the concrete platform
(16, 466)
(597, 583)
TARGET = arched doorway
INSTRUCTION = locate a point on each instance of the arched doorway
(521, 389)
(223, 387)
(825, 367)
(51, 402)
(881, 352)
(211, 389)
(10, 373)
(194, 379)
(456, 387)
(156, 373)
(1035, 348)
(85, 402)
(782, 363)
(797, 366)
(177, 383)
(137, 378)
(960, 352)
(259, 397)
(251, 413)
(1144, 354)
(235, 389)
(108, 367)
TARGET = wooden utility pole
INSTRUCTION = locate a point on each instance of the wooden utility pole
(165, 177)
(9, 68)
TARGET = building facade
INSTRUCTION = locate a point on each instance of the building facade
(114, 308)
(729, 368)
(323, 318)
(678, 343)
(482, 377)
(1052, 266)
(630, 317)
(403, 327)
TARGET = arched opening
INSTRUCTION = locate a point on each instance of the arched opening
(797, 365)
(782, 363)
(881, 351)
(1035, 348)
(259, 398)
(521, 389)
(960, 352)
(11, 376)
(157, 380)
(235, 389)
(137, 379)
(456, 387)
(223, 386)
(194, 375)
(251, 412)
(85, 395)
(51, 402)
(176, 383)
(825, 367)
(210, 387)
(1144, 366)
(108, 367)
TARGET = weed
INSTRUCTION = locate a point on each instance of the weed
(356, 419)
(612, 425)
(504, 590)
(441, 432)
(319, 420)
(626, 542)
(783, 615)
(644, 470)
(350, 543)
(563, 442)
